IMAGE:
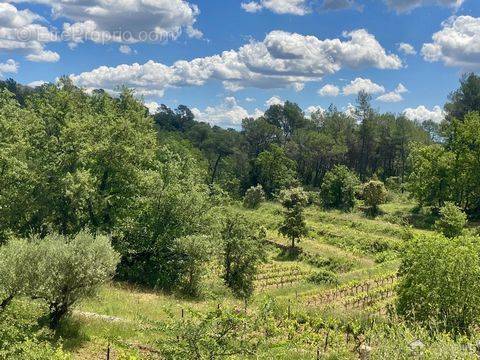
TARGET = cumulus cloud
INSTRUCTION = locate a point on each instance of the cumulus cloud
(407, 49)
(402, 6)
(421, 114)
(282, 7)
(314, 109)
(395, 95)
(274, 100)
(281, 60)
(329, 90)
(36, 83)
(152, 106)
(124, 21)
(10, 66)
(361, 84)
(44, 56)
(251, 7)
(19, 32)
(457, 44)
(228, 114)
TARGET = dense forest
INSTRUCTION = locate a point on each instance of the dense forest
(93, 187)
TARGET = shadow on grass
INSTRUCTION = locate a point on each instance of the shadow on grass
(71, 334)
(289, 254)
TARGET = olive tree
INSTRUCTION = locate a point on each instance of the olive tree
(294, 226)
(15, 270)
(68, 270)
(440, 282)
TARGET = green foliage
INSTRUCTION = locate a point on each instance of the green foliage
(338, 188)
(254, 197)
(452, 220)
(175, 204)
(16, 271)
(193, 252)
(68, 270)
(242, 252)
(324, 277)
(374, 194)
(214, 335)
(431, 174)
(294, 226)
(439, 283)
(275, 171)
(22, 338)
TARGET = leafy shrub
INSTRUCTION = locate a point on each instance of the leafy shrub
(242, 251)
(191, 252)
(338, 188)
(439, 284)
(330, 263)
(452, 220)
(254, 197)
(374, 194)
(393, 183)
(324, 277)
(21, 337)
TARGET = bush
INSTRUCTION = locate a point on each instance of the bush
(439, 283)
(338, 188)
(374, 194)
(324, 277)
(242, 251)
(254, 197)
(67, 271)
(192, 252)
(452, 220)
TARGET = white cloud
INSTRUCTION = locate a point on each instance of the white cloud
(407, 49)
(124, 21)
(421, 114)
(251, 7)
(395, 95)
(36, 83)
(10, 66)
(402, 6)
(281, 60)
(361, 84)
(457, 44)
(292, 7)
(349, 110)
(274, 100)
(390, 97)
(44, 56)
(152, 107)
(125, 49)
(400, 89)
(249, 99)
(314, 109)
(329, 90)
(228, 114)
(20, 33)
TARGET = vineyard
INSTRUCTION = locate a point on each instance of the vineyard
(339, 244)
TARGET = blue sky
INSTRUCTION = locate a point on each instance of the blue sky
(279, 50)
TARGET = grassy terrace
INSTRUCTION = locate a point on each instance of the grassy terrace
(357, 249)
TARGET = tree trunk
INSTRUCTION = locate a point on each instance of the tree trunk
(57, 312)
